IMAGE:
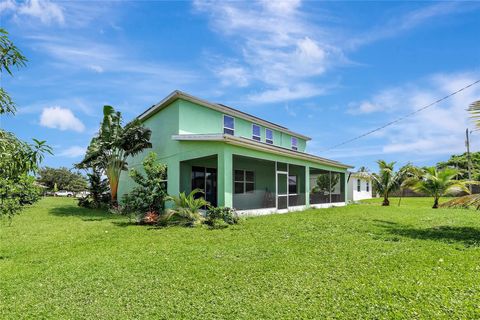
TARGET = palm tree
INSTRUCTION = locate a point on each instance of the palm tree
(438, 183)
(474, 110)
(187, 207)
(387, 180)
(112, 146)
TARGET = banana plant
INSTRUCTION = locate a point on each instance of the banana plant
(113, 144)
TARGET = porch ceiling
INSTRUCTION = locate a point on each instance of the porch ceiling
(252, 144)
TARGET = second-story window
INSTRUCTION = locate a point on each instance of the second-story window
(228, 125)
(268, 136)
(294, 143)
(256, 132)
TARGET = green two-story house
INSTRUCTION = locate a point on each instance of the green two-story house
(237, 159)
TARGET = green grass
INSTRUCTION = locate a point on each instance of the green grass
(362, 261)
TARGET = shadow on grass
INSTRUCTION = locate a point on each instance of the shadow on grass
(83, 213)
(468, 236)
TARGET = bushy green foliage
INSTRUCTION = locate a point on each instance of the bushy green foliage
(17, 160)
(14, 194)
(150, 194)
(460, 163)
(10, 56)
(221, 217)
(186, 210)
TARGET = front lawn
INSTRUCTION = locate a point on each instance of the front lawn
(362, 261)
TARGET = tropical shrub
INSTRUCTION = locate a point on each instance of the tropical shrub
(147, 200)
(99, 192)
(186, 208)
(113, 144)
(221, 217)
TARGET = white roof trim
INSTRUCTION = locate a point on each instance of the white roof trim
(230, 111)
(252, 144)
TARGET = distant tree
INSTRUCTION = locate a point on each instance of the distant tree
(63, 178)
(460, 163)
(326, 183)
(112, 146)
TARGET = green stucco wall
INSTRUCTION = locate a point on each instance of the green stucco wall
(196, 119)
(183, 117)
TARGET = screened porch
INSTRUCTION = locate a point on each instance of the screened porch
(263, 184)
(326, 186)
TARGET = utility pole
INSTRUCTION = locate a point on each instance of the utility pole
(469, 162)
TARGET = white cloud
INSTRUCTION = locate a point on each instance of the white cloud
(60, 118)
(301, 91)
(233, 75)
(7, 5)
(101, 57)
(73, 152)
(96, 68)
(437, 130)
(404, 22)
(278, 46)
(44, 10)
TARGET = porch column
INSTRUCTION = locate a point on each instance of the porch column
(307, 186)
(225, 178)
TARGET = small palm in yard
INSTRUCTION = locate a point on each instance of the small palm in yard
(388, 180)
(438, 183)
(187, 207)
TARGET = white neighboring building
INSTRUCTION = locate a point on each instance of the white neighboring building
(359, 186)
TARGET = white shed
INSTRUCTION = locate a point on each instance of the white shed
(359, 186)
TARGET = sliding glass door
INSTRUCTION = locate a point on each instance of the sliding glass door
(206, 180)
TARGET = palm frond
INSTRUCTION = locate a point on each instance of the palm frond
(474, 110)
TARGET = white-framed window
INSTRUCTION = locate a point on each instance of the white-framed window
(228, 125)
(368, 186)
(294, 143)
(256, 132)
(359, 185)
(244, 181)
(268, 136)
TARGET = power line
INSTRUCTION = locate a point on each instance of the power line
(403, 117)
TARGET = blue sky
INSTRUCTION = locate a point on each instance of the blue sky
(330, 70)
